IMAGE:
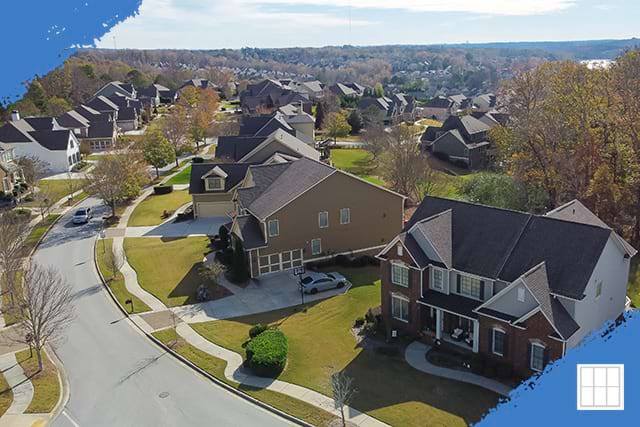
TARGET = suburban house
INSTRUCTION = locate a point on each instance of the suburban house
(277, 146)
(358, 88)
(460, 139)
(97, 135)
(213, 187)
(441, 107)
(517, 288)
(393, 109)
(43, 138)
(269, 95)
(485, 102)
(197, 83)
(116, 88)
(157, 94)
(341, 90)
(290, 118)
(102, 104)
(313, 89)
(10, 173)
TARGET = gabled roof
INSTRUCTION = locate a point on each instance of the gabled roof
(55, 140)
(235, 174)
(249, 230)
(342, 90)
(275, 185)
(102, 103)
(502, 244)
(198, 83)
(456, 136)
(41, 123)
(101, 130)
(437, 230)
(264, 125)
(72, 119)
(236, 147)
(439, 102)
(127, 113)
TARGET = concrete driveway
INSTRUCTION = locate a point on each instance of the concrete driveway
(272, 292)
(170, 228)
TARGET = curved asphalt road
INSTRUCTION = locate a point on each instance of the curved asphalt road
(117, 376)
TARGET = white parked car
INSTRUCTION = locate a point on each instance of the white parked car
(314, 282)
(82, 216)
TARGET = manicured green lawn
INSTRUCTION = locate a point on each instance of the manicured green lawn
(429, 122)
(321, 342)
(38, 231)
(45, 383)
(215, 367)
(116, 284)
(168, 268)
(212, 149)
(181, 178)
(150, 211)
(57, 189)
(357, 161)
(6, 395)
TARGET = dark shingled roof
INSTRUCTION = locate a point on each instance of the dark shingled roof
(499, 243)
(264, 125)
(438, 230)
(127, 113)
(40, 123)
(101, 130)
(439, 102)
(235, 174)
(250, 232)
(72, 119)
(278, 184)
(236, 147)
(452, 302)
(55, 140)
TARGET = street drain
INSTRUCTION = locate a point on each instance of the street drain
(164, 395)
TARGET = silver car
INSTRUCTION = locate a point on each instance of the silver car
(314, 282)
(82, 216)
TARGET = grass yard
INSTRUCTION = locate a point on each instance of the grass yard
(6, 395)
(57, 189)
(45, 383)
(149, 212)
(429, 122)
(357, 161)
(215, 367)
(116, 284)
(321, 342)
(171, 273)
(212, 149)
(181, 178)
(38, 231)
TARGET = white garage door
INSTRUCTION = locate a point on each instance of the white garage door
(282, 261)
(209, 209)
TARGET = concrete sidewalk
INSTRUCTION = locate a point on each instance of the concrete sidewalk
(236, 372)
(415, 357)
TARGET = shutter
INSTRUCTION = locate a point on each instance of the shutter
(505, 345)
(409, 311)
(409, 276)
(529, 356)
(390, 272)
(458, 283)
(490, 341)
(482, 290)
(545, 358)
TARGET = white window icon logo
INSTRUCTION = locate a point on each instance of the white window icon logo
(600, 387)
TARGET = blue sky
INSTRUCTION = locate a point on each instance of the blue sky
(203, 24)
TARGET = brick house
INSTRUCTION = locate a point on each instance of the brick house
(518, 288)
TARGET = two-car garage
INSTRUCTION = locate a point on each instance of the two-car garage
(211, 209)
(279, 262)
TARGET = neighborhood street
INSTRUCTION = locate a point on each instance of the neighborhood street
(117, 377)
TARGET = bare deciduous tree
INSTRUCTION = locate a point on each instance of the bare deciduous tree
(46, 308)
(114, 260)
(404, 166)
(45, 199)
(343, 391)
(13, 230)
(32, 168)
(377, 140)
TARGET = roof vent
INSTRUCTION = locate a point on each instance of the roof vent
(15, 115)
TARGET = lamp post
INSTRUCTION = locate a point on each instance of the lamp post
(299, 271)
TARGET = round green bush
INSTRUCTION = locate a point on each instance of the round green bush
(257, 330)
(267, 353)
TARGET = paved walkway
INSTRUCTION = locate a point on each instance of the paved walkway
(21, 386)
(234, 371)
(415, 356)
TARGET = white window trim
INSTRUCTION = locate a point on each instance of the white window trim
(401, 297)
(220, 180)
(399, 249)
(598, 285)
(277, 233)
(520, 291)
(403, 266)
(493, 341)
(319, 247)
(320, 222)
(348, 211)
(433, 270)
(535, 344)
(468, 295)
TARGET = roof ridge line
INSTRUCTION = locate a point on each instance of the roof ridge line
(513, 247)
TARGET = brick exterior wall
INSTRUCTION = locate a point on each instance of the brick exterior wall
(414, 326)
(518, 342)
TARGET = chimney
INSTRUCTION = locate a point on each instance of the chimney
(299, 109)
(15, 115)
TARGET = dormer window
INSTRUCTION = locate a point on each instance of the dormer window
(215, 183)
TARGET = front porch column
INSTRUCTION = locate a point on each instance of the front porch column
(476, 335)
(438, 324)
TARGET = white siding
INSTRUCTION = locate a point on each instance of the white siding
(591, 313)
(57, 161)
(508, 302)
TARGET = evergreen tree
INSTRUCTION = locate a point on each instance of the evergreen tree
(356, 122)
(319, 115)
(239, 272)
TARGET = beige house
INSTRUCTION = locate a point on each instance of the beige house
(304, 210)
(213, 187)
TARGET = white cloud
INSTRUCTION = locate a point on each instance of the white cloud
(489, 7)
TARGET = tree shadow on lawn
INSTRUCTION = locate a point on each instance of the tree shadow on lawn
(389, 389)
(188, 287)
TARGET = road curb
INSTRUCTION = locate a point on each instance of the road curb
(190, 364)
(65, 389)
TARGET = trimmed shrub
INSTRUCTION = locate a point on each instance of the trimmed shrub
(477, 364)
(225, 256)
(197, 160)
(162, 189)
(359, 322)
(257, 330)
(267, 353)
